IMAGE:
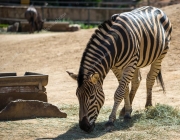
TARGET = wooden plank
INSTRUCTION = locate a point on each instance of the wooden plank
(24, 80)
(16, 83)
(19, 89)
(14, 19)
(8, 74)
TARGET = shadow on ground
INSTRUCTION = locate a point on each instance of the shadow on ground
(75, 133)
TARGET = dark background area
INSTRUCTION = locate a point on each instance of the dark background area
(71, 3)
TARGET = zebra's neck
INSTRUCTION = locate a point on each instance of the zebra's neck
(93, 62)
(98, 54)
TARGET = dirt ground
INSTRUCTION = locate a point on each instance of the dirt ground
(54, 53)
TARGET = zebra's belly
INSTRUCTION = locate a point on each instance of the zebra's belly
(143, 65)
(143, 62)
(151, 51)
(149, 55)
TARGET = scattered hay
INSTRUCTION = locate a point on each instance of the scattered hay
(162, 112)
(159, 115)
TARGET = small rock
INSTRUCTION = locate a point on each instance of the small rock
(13, 28)
(74, 27)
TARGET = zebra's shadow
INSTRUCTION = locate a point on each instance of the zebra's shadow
(75, 133)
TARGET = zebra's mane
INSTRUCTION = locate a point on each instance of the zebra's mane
(99, 35)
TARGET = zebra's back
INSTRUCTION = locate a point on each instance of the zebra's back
(146, 30)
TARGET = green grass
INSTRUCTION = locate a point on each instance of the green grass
(158, 122)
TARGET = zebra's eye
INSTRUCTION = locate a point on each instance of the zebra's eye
(91, 97)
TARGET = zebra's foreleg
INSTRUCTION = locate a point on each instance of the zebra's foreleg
(127, 76)
(127, 105)
(33, 26)
(118, 97)
(118, 74)
(30, 27)
(134, 86)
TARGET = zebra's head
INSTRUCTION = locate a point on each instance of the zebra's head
(91, 99)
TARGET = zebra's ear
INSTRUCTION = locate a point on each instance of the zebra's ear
(72, 75)
(94, 78)
(113, 17)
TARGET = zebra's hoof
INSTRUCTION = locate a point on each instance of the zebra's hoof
(109, 126)
(148, 105)
(127, 116)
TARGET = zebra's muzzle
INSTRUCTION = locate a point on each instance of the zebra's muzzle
(85, 125)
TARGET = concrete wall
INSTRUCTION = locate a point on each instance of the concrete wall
(81, 14)
(16, 12)
(66, 13)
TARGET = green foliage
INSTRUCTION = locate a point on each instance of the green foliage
(86, 26)
(3, 25)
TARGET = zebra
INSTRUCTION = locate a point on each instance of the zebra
(124, 44)
(34, 19)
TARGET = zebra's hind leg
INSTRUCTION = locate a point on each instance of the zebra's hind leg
(152, 75)
(155, 71)
(134, 86)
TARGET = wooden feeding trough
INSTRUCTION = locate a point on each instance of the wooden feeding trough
(31, 86)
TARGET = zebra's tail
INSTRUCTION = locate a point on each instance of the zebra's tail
(160, 80)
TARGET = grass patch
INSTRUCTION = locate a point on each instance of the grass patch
(153, 123)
